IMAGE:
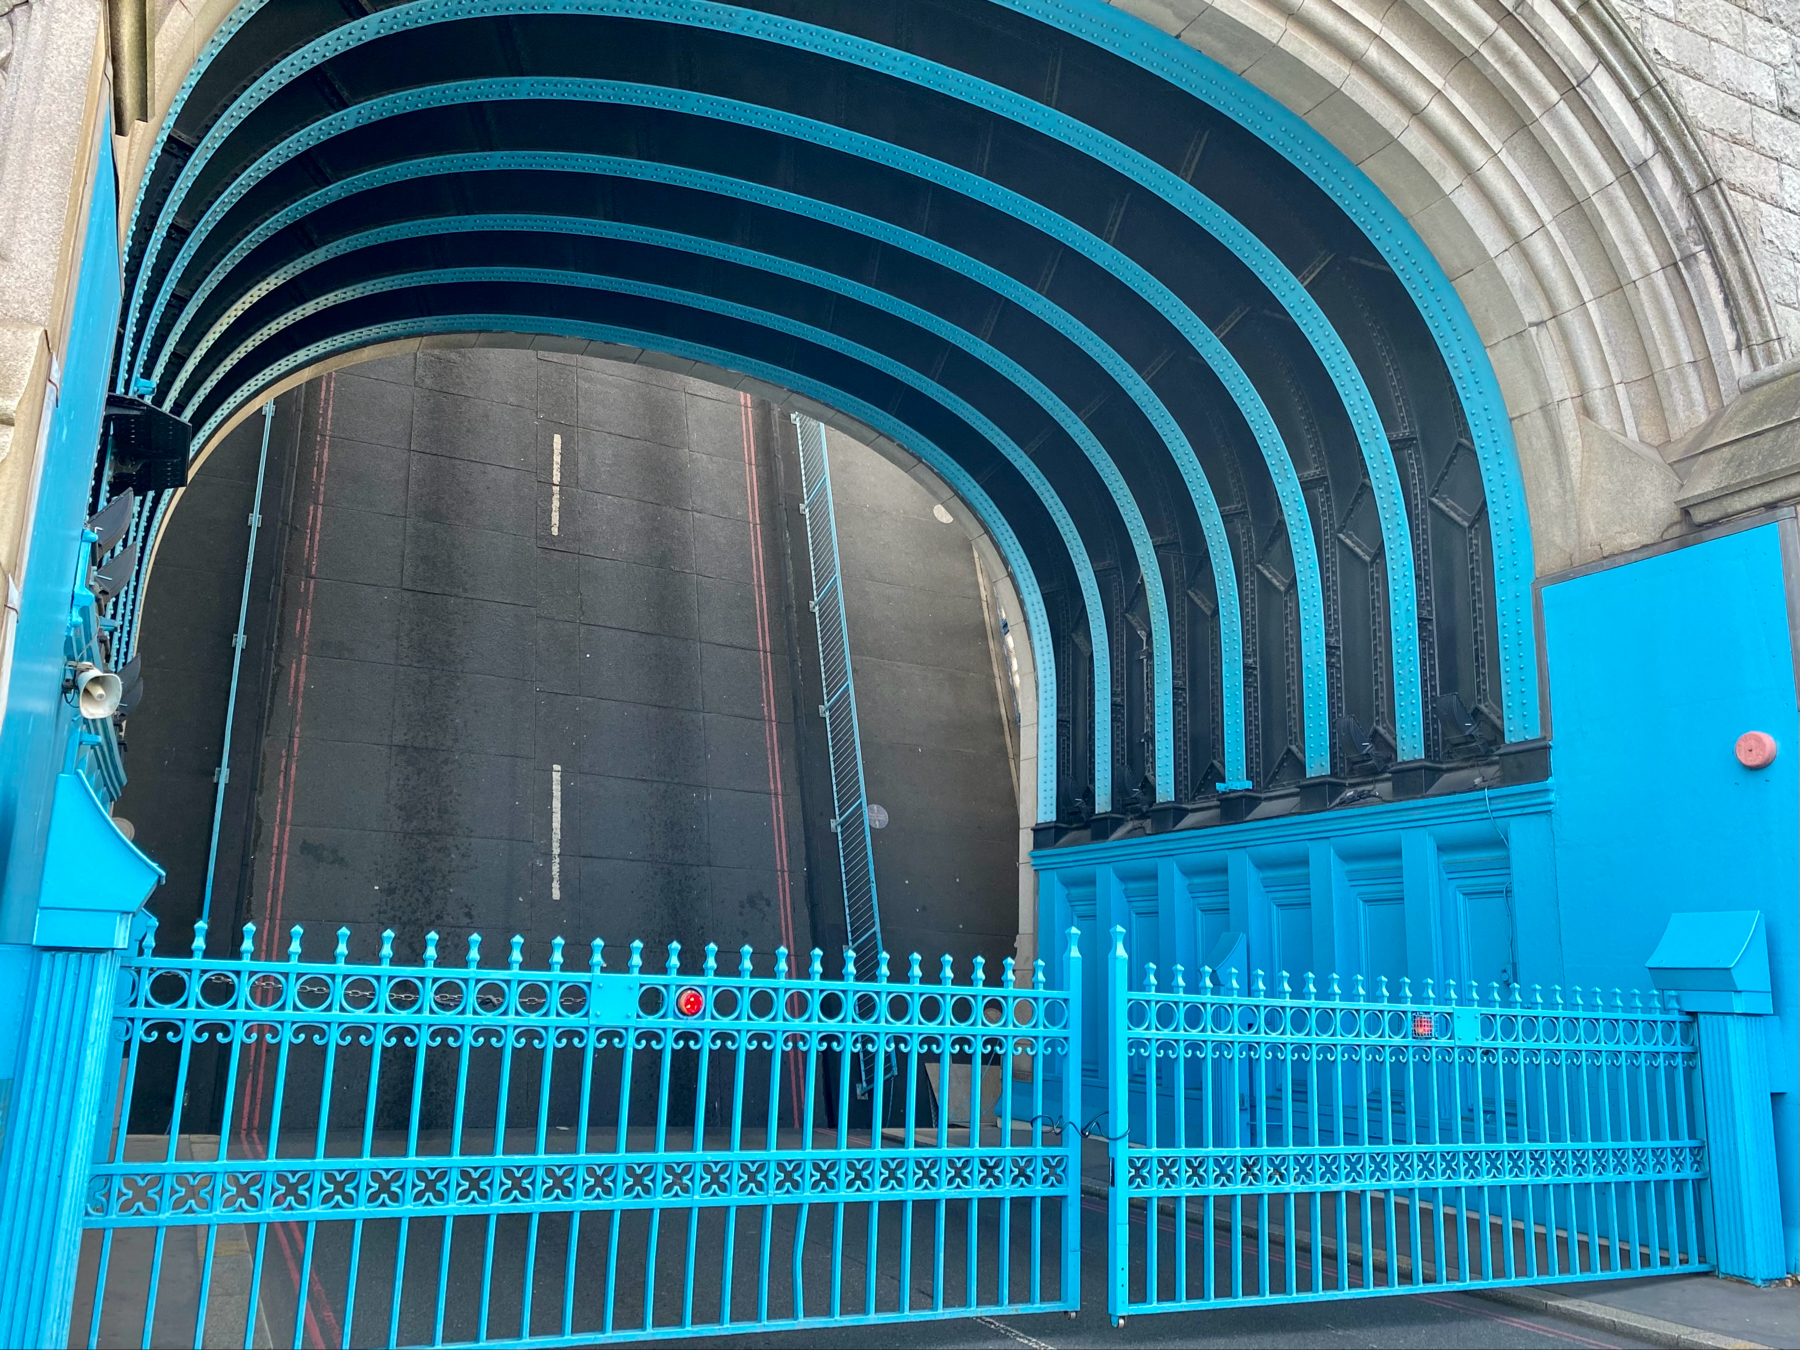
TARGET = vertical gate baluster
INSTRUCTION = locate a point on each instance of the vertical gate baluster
(972, 1207)
(914, 1046)
(709, 974)
(848, 1052)
(376, 1031)
(421, 1042)
(778, 1017)
(877, 1120)
(1118, 1127)
(1069, 1289)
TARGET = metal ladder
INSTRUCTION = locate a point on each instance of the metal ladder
(850, 803)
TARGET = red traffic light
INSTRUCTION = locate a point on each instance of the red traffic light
(1422, 1026)
(690, 1002)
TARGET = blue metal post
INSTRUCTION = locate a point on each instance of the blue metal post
(1118, 1129)
(1071, 1085)
(1740, 1147)
(57, 1095)
(1717, 965)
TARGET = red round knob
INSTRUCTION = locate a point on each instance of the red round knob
(1756, 749)
(690, 1002)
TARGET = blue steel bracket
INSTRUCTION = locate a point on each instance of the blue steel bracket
(95, 879)
(613, 1000)
(1715, 963)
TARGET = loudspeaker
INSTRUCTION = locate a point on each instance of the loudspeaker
(97, 691)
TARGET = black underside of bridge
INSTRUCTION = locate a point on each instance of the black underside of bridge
(1344, 274)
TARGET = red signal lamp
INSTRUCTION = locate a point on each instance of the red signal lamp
(1422, 1026)
(690, 1002)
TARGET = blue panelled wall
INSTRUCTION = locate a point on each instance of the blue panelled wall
(1654, 666)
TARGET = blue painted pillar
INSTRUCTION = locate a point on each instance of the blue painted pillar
(1740, 1147)
(1537, 921)
(1420, 880)
(1717, 965)
(57, 1094)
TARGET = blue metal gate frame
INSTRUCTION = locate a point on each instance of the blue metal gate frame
(1284, 1146)
(542, 1148)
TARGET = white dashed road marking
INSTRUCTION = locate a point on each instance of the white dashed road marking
(555, 816)
(556, 484)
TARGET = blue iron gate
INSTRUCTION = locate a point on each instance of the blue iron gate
(331, 1152)
(1285, 1146)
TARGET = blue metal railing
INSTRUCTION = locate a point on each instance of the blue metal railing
(849, 795)
(1283, 1146)
(337, 1152)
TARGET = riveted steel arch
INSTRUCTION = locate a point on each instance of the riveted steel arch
(934, 456)
(1194, 477)
(1030, 384)
(1418, 270)
(1284, 286)
(848, 120)
(1237, 383)
(1213, 351)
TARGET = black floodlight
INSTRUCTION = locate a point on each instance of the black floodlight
(1460, 726)
(148, 448)
(113, 575)
(111, 522)
(1361, 744)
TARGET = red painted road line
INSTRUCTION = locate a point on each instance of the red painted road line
(251, 1118)
(784, 893)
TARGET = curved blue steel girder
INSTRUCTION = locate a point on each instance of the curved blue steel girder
(945, 465)
(1286, 288)
(954, 403)
(1088, 20)
(1237, 383)
(1416, 267)
(1033, 302)
(1004, 365)
(1194, 477)
(1003, 443)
